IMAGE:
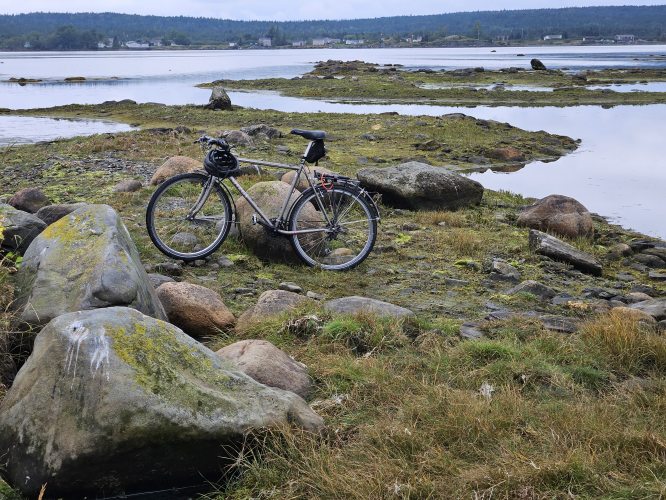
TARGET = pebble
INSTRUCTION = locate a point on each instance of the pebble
(315, 296)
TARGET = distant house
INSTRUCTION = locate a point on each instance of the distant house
(553, 37)
(298, 43)
(265, 41)
(137, 44)
(232, 44)
(502, 38)
(625, 38)
(27, 45)
(325, 41)
(360, 41)
(592, 38)
(414, 39)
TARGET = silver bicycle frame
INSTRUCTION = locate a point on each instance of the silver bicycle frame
(285, 206)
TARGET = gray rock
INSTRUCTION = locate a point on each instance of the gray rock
(561, 299)
(654, 307)
(656, 251)
(28, 200)
(502, 271)
(290, 287)
(470, 331)
(560, 324)
(218, 99)
(558, 214)
(238, 138)
(651, 261)
(654, 275)
(314, 295)
(18, 229)
(418, 186)
(262, 129)
(535, 288)
(537, 65)
(112, 401)
(634, 297)
(270, 303)
(170, 268)
(355, 304)
(554, 248)
(52, 213)
(127, 186)
(661, 326)
(225, 262)
(86, 260)
(157, 279)
(268, 365)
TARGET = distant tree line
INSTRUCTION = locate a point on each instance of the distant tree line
(83, 31)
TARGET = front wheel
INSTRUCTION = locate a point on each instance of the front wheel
(189, 216)
(339, 227)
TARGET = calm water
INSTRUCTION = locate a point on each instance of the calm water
(23, 129)
(618, 171)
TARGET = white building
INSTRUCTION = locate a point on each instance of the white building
(360, 41)
(325, 41)
(137, 45)
(265, 41)
(553, 37)
(625, 38)
(298, 43)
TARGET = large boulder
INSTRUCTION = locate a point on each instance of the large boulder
(548, 245)
(558, 214)
(218, 99)
(537, 65)
(174, 166)
(270, 303)
(29, 200)
(198, 310)
(302, 183)
(86, 260)
(269, 196)
(268, 365)
(52, 213)
(418, 186)
(355, 305)
(17, 229)
(112, 401)
(509, 154)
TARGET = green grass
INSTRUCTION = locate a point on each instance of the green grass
(410, 422)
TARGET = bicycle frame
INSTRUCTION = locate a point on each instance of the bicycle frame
(280, 220)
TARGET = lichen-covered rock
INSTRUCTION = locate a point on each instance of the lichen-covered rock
(29, 200)
(654, 307)
(534, 288)
(86, 260)
(51, 213)
(218, 99)
(113, 401)
(174, 166)
(17, 229)
(558, 214)
(198, 310)
(238, 138)
(270, 303)
(355, 304)
(508, 153)
(268, 365)
(269, 196)
(418, 186)
(302, 183)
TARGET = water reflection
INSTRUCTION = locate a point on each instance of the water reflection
(24, 129)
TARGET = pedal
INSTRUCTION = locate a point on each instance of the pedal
(254, 219)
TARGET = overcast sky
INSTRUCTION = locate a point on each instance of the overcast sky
(282, 10)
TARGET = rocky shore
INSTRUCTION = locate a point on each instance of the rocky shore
(481, 323)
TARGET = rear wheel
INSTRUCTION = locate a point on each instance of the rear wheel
(189, 216)
(342, 226)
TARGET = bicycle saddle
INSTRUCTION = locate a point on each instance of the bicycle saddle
(312, 135)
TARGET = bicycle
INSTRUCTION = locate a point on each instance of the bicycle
(190, 215)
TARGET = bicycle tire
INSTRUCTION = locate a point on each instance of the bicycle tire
(339, 249)
(194, 238)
